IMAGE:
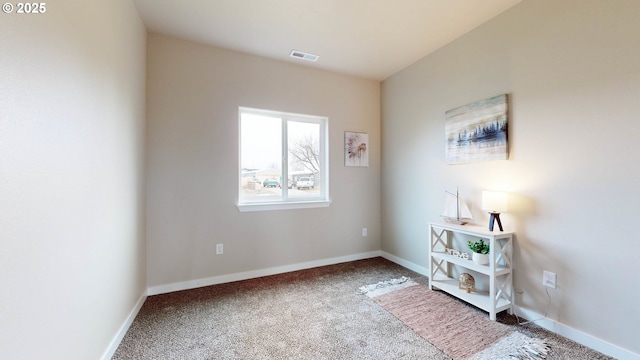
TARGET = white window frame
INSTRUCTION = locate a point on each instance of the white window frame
(285, 203)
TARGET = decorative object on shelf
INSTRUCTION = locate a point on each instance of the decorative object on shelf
(467, 282)
(356, 149)
(455, 210)
(480, 259)
(477, 131)
(495, 202)
(457, 253)
(480, 251)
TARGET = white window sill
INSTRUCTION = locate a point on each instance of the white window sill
(247, 207)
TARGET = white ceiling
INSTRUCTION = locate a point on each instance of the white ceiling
(368, 38)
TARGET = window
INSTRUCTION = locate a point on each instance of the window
(283, 160)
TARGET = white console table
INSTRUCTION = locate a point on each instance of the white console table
(499, 296)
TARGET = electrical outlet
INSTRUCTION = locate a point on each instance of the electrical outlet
(219, 249)
(364, 231)
(549, 279)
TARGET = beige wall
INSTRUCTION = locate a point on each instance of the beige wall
(194, 92)
(572, 69)
(72, 258)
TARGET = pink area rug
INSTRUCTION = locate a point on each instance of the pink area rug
(458, 330)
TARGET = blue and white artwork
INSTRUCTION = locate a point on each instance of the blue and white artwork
(477, 131)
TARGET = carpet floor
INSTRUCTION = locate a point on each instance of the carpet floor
(310, 314)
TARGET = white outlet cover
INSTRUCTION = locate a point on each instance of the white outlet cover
(549, 279)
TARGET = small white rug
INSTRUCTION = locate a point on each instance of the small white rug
(387, 286)
(515, 346)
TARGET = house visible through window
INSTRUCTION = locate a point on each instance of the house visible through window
(283, 160)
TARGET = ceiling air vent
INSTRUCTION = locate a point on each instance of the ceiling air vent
(304, 56)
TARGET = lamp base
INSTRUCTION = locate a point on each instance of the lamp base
(495, 217)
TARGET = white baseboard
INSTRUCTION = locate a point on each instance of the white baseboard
(115, 342)
(409, 265)
(192, 284)
(577, 335)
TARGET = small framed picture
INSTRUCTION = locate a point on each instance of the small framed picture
(356, 149)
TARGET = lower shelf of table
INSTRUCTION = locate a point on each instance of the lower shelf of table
(478, 299)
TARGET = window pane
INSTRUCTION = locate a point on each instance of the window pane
(260, 157)
(267, 139)
(304, 165)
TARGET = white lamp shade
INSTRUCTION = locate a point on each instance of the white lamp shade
(495, 201)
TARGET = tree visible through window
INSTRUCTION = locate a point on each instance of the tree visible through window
(282, 157)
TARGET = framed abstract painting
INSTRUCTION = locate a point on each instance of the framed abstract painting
(477, 131)
(356, 149)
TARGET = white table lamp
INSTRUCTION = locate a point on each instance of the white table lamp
(495, 202)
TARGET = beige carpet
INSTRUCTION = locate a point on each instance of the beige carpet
(311, 314)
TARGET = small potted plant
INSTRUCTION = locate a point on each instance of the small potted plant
(480, 251)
